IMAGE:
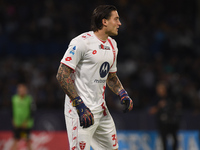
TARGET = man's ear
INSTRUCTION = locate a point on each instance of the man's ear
(104, 22)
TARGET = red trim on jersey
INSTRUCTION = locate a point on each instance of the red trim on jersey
(104, 109)
(74, 136)
(102, 41)
(111, 43)
(67, 65)
(114, 52)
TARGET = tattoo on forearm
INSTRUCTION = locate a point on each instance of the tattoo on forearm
(114, 83)
(63, 77)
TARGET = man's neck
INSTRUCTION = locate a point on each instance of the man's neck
(100, 34)
(21, 96)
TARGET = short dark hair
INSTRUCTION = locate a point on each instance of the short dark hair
(99, 13)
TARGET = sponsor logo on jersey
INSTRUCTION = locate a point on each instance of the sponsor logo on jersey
(99, 81)
(94, 52)
(68, 58)
(73, 50)
(104, 47)
(82, 145)
(104, 69)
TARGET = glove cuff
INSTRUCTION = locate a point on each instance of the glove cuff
(123, 93)
(77, 101)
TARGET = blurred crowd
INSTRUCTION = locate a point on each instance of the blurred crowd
(158, 41)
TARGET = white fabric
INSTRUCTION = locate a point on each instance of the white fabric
(92, 60)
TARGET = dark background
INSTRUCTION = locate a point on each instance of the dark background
(159, 40)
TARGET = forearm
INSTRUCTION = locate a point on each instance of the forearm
(65, 81)
(114, 83)
(63, 77)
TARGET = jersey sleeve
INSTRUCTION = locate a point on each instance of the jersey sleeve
(115, 52)
(74, 53)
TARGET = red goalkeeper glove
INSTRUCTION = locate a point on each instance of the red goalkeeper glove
(126, 100)
(85, 115)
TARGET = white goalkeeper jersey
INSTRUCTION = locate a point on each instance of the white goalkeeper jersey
(92, 60)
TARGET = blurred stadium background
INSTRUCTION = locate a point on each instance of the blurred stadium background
(158, 40)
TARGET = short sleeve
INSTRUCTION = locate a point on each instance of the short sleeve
(74, 53)
(115, 52)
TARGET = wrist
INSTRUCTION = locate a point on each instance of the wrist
(123, 93)
(77, 101)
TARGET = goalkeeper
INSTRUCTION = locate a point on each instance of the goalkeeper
(88, 64)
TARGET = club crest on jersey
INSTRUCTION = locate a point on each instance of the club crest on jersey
(104, 69)
(104, 47)
(82, 145)
(73, 50)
